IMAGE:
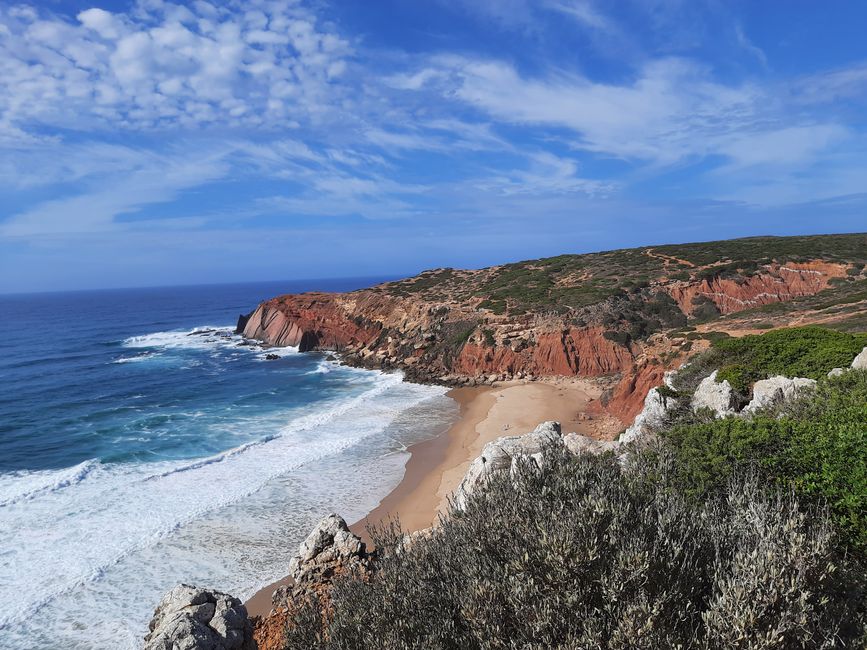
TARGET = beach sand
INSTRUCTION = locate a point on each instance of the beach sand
(436, 466)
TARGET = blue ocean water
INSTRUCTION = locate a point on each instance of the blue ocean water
(142, 444)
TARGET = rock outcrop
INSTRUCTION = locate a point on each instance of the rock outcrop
(330, 550)
(578, 444)
(716, 396)
(775, 391)
(656, 411)
(860, 362)
(190, 618)
(775, 283)
(500, 454)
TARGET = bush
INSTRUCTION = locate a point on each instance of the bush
(794, 352)
(816, 446)
(592, 554)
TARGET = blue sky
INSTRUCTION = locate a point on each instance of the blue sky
(155, 143)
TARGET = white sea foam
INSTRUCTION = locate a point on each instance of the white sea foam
(324, 366)
(198, 338)
(286, 351)
(138, 357)
(111, 538)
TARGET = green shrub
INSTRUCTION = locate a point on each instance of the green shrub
(816, 446)
(592, 554)
(739, 376)
(794, 352)
(666, 391)
(462, 336)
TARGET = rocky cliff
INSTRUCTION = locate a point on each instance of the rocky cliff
(619, 313)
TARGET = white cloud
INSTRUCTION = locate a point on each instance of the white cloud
(546, 174)
(164, 65)
(665, 114)
(155, 179)
(790, 146)
(582, 11)
(749, 46)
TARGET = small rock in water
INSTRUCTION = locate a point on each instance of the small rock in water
(271, 356)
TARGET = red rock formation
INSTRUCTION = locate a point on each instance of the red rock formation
(627, 398)
(391, 326)
(775, 284)
(309, 321)
(569, 352)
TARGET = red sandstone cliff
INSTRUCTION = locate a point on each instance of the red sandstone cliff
(775, 283)
(445, 333)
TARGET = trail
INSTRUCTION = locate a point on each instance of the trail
(668, 259)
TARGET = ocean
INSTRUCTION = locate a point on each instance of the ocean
(143, 444)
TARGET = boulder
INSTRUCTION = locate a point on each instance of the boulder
(330, 550)
(329, 544)
(654, 414)
(860, 362)
(190, 618)
(836, 372)
(498, 456)
(777, 390)
(716, 396)
(578, 444)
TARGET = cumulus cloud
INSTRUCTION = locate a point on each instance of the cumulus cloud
(165, 65)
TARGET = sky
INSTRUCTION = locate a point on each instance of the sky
(151, 143)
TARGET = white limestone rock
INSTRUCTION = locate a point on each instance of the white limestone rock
(777, 390)
(716, 396)
(190, 618)
(578, 444)
(654, 414)
(498, 456)
(860, 362)
(836, 372)
(329, 542)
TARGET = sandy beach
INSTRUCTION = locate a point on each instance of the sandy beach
(436, 466)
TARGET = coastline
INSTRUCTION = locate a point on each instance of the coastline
(437, 465)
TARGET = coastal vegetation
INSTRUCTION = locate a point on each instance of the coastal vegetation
(592, 553)
(738, 532)
(570, 282)
(815, 447)
(792, 352)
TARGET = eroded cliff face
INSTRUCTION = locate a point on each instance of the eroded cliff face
(382, 331)
(453, 339)
(570, 351)
(773, 283)
(312, 321)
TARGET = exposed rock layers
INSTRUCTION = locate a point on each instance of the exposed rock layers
(436, 337)
(776, 283)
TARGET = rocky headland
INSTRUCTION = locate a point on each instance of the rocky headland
(630, 314)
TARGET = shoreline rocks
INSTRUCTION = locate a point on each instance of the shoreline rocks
(191, 618)
(330, 550)
(656, 410)
(499, 455)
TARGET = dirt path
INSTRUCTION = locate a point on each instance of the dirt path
(668, 259)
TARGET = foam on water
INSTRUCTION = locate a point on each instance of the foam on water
(103, 541)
